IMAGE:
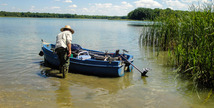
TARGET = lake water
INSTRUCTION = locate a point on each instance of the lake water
(24, 83)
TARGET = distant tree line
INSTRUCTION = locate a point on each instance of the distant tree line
(151, 14)
(55, 15)
(137, 14)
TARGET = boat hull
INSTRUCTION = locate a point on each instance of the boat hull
(88, 66)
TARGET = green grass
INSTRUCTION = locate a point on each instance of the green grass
(189, 38)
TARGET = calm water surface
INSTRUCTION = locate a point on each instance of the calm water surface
(24, 81)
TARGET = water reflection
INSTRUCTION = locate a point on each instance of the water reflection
(112, 85)
(48, 71)
(144, 80)
(63, 94)
(84, 88)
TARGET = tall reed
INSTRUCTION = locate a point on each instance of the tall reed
(189, 37)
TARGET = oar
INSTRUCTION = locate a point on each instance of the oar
(143, 73)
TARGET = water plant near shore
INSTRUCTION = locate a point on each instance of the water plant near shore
(189, 38)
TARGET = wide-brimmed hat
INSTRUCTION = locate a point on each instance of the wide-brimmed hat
(67, 27)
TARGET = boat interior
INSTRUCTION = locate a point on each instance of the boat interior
(81, 53)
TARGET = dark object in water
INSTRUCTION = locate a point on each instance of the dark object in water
(41, 53)
(145, 70)
(143, 73)
(125, 51)
(117, 52)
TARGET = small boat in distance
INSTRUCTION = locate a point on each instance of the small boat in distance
(91, 62)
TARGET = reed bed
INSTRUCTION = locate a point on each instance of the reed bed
(189, 39)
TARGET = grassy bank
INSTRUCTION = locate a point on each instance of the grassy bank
(189, 39)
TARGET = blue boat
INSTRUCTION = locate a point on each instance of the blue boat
(91, 62)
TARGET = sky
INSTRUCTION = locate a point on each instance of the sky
(94, 7)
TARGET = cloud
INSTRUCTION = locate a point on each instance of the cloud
(108, 9)
(68, 1)
(32, 9)
(70, 11)
(189, 1)
(148, 4)
(4, 4)
(207, 1)
(176, 5)
(127, 5)
(73, 6)
(55, 7)
(85, 9)
(105, 5)
(16, 9)
(197, 1)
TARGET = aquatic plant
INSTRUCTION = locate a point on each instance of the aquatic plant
(189, 38)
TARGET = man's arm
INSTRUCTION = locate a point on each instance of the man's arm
(68, 41)
(69, 50)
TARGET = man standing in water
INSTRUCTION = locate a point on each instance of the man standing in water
(63, 48)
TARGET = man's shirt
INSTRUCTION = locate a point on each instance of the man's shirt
(63, 38)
